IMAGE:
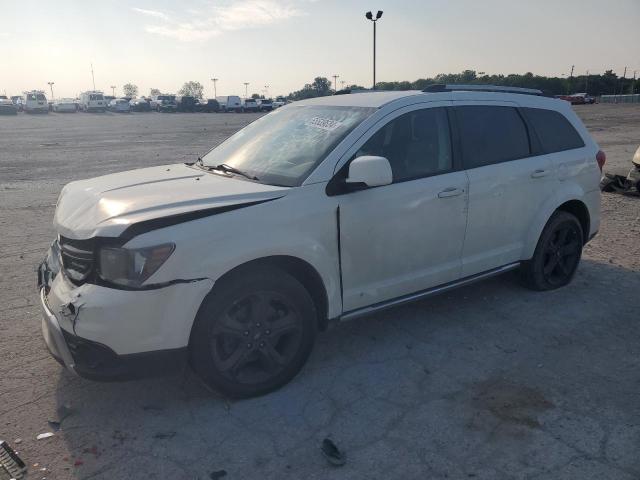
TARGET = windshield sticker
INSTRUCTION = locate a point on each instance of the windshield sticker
(323, 123)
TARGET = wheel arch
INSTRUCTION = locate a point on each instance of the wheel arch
(572, 203)
(578, 209)
(300, 269)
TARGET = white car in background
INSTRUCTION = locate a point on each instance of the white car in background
(119, 105)
(92, 101)
(327, 209)
(65, 105)
(7, 107)
(35, 102)
(249, 105)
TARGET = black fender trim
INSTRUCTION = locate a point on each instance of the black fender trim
(157, 223)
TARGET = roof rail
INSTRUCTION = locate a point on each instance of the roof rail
(440, 87)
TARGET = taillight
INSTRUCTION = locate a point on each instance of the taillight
(601, 158)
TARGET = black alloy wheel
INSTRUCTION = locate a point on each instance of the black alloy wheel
(557, 253)
(253, 332)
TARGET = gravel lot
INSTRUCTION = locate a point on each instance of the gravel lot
(491, 381)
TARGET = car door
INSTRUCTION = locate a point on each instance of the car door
(508, 182)
(407, 236)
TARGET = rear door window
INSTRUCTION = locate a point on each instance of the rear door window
(555, 132)
(491, 134)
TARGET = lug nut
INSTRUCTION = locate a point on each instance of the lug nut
(246, 333)
(267, 332)
(249, 345)
(262, 344)
(258, 325)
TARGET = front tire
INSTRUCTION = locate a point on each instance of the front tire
(253, 332)
(557, 255)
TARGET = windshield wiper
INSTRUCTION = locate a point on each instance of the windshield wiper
(223, 167)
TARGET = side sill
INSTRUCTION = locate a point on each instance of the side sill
(412, 297)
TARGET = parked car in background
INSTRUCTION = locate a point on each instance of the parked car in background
(140, 104)
(230, 103)
(583, 98)
(92, 101)
(249, 105)
(17, 101)
(119, 105)
(278, 102)
(164, 103)
(7, 107)
(186, 103)
(35, 102)
(208, 106)
(330, 209)
(66, 105)
(265, 104)
(108, 98)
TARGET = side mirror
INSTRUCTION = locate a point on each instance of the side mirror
(370, 170)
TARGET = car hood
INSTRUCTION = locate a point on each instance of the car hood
(108, 205)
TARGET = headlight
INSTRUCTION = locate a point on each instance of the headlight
(132, 267)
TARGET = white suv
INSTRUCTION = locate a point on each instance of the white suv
(326, 209)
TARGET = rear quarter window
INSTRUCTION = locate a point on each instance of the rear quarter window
(491, 134)
(555, 132)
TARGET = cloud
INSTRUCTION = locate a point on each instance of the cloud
(215, 19)
(151, 13)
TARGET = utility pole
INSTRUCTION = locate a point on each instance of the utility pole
(215, 93)
(369, 16)
(570, 79)
(266, 91)
(93, 78)
(335, 82)
(51, 87)
(586, 83)
(342, 82)
(633, 85)
(113, 90)
(246, 85)
(624, 77)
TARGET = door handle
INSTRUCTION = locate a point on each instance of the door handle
(539, 173)
(450, 192)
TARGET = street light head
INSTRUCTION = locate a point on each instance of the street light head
(379, 14)
(369, 15)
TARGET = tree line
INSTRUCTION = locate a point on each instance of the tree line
(602, 84)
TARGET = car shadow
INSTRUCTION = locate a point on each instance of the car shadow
(365, 379)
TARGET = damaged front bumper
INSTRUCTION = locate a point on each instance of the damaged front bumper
(103, 333)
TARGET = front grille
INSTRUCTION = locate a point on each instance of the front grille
(77, 258)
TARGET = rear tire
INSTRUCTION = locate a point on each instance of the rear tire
(557, 254)
(253, 332)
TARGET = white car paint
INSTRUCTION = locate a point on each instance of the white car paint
(368, 247)
(35, 101)
(65, 105)
(92, 101)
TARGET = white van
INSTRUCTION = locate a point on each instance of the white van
(230, 103)
(92, 101)
(324, 210)
(35, 102)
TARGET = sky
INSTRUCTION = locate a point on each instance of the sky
(286, 43)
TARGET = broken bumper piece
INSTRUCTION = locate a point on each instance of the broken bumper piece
(95, 361)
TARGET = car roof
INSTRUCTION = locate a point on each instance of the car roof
(379, 99)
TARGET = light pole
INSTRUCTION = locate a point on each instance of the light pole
(342, 82)
(266, 91)
(51, 84)
(369, 16)
(335, 82)
(113, 90)
(246, 85)
(215, 92)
